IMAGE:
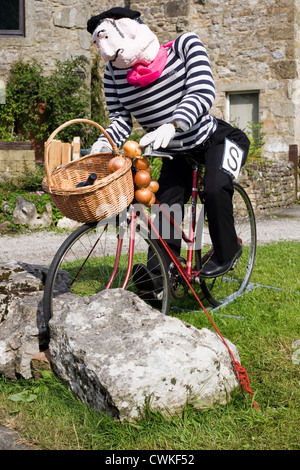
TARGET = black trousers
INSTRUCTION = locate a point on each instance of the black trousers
(175, 187)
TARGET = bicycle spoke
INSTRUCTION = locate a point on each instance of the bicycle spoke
(233, 283)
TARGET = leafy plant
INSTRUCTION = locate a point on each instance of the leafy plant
(66, 96)
(256, 137)
(37, 104)
(18, 118)
(98, 111)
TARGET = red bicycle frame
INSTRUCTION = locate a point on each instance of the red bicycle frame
(187, 272)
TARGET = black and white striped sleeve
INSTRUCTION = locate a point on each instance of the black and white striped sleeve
(120, 119)
(199, 86)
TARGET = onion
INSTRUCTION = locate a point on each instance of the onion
(154, 186)
(132, 149)
(152, 200)
(115, 163)
(142, 179)
(142, 163)
(143, 195)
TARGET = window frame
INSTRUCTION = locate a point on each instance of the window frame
(16, 32)
(242, 92)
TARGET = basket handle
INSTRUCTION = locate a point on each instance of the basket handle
(115, 149)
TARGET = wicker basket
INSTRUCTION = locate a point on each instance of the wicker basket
(110, 194)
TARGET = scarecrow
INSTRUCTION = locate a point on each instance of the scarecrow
(169, 89)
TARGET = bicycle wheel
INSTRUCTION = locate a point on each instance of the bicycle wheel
(84, 264)
(225, 288)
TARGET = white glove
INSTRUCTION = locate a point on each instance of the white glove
(161, 136)
(100, 147)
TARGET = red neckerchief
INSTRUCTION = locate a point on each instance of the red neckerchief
(143, 75)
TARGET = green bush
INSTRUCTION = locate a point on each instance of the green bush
(256, 137)
(18, 118)
(37, 104)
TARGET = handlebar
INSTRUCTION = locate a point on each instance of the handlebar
(174, 144)
(149, 152)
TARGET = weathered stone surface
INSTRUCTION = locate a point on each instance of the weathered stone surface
(68, 224)
(22, 330)
(115, 352)
(268, 186)
(25, 213)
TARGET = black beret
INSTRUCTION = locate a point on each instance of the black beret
(114, 13)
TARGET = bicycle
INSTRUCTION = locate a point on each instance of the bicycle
(101, 255)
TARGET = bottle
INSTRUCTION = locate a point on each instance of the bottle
(91, 180)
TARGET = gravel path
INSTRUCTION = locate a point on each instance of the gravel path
(40, 247)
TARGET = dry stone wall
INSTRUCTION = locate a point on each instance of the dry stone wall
(14, 161)
(269, 186)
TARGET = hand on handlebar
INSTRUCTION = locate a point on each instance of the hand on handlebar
(99, 146)
(160, 137)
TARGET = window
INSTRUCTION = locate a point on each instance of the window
(12, 18)
(243, 107)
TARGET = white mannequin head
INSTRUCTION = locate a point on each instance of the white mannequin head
(125, 42)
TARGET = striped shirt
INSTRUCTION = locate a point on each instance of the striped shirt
(184, 92)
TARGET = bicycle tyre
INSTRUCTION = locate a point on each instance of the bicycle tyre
(225, 288)
(91, 248)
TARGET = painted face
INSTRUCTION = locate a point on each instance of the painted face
(125, 42)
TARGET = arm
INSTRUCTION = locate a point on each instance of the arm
(198, 93)
(200, 90)
(121, 123)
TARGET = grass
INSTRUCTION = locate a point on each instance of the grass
(263, 324)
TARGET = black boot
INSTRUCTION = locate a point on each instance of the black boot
(213, 268)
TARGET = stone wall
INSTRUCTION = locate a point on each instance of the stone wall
(16, 157)
(269, 186)
(253, 45)
(55, 29)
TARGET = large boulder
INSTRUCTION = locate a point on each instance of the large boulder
(22, 329)
(114, 352)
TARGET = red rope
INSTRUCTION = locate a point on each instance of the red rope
(240, 371)
(244, 380)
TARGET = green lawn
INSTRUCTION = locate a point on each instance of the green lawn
(264, 323)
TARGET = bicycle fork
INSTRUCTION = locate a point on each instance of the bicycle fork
(119, 250)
